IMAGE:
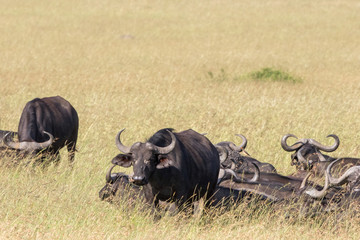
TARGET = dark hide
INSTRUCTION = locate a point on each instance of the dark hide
(185, 174)
(312, 155)
(242, 164)
(308, 156)
(275, 178)
(225, 196)
(54, 115)
(318, 167)
(120, 187)
(274, 192)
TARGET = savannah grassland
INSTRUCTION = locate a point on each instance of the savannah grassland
(146, 65)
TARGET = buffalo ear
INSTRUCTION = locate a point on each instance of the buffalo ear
(164, 162)
(122, 160)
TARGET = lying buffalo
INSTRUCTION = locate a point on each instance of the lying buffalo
(260, 177)
(119, 185)
(288, 197)
(349, 197)
(308, 156)
(46, 125)
(231, 158)
(226, 195)
(180, 167)
(119, 188)
(351, 177)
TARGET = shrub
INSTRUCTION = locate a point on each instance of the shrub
(269, 74)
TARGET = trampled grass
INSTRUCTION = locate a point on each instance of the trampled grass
(143, 66)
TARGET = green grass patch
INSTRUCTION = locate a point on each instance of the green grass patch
(265, 74)
(275, 75)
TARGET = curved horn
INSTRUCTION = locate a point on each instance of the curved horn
(223, 153)
(169, 148)
(233, 166)
(28, 145)
(108, 174)
(344, 178)
(221, 175)
(304, 181)
(119, 145)
(312, 192)
(332, 180)
(320, 156)
(326, 148)
(256, 176)
(240, 147)
(230, 174)
(293, 147)
(301, 158)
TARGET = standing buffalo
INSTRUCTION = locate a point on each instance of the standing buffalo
(180, 167)
(46, 125)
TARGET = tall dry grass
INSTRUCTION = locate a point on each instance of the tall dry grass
(144, 65)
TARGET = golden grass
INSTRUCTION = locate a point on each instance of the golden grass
(143, 65)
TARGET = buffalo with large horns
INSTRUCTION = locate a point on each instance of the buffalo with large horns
(230, 158)
(119, 185)
(348, 198)
(46, 125)
(351, 177)
(308, 156)
(181, 167)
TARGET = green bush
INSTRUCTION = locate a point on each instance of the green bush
(265, 74)
(269, 74)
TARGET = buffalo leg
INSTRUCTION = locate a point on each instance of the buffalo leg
(71, 147)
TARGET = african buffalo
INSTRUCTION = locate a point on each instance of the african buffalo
(273, 187)
(46, 125)
(348, 198)
(351, 177)
(180, 167)
(227, 196)
(260, 177)
(119, 185)
(307, 156)
(231, 158)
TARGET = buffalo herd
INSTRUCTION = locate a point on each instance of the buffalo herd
(184, 168)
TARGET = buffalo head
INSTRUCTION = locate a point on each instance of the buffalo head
(144, 157)
(229, 153)
(307, 151)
